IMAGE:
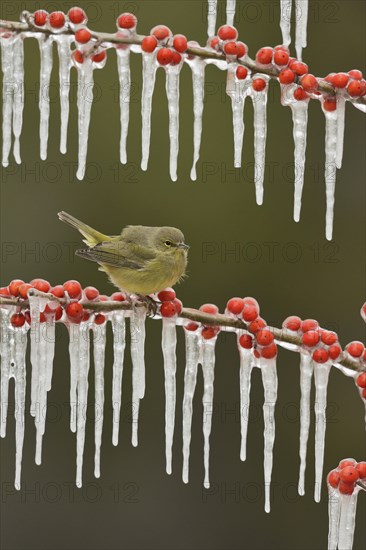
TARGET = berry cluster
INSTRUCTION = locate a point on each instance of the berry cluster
(170, 306)
(171, 48)
(344, 477)
(207, 332)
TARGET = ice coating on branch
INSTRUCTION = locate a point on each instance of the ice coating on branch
(331, 134)
(64, 55)
(285, 21)
(18, 64)
(347, 520)
(197, 66)
(169, 344)
(193, 350)
(306, 373)
(300, 122)
(259, 100)
(137, 328)
(341, 113)
(334, 509)
(123, 64)
(301, 26)
(270, 383)
(172, 93)
(211, 17)
(45, 49)
(149, 66)
(237, 90)
(82, 391)
(230, 11)
(84, 102)
(99, 343)
(246, 366)
(321, 376)
(208, 370)
(119, 343)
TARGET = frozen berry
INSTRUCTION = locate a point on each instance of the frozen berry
(246, 341)
(264, 337)
(23, 290)
(355, 349)
(320, 355)
(165, 56)
(91, 293)
(340, 80)
(4, 291)
(17, 320)
(127, 21)
(176, 58)
(361, 380)
(333, 478)
(269, 352)
(118, 297)
(309, 324)
(161, 32)
(309, 83)
(241, 72)
(99, 319)
(361, 468)
(345, 488)
(356, 74)
(40, 18)
(300, 94)
(74, 312)
(209, 332)
(57, 19)
(259, 84)
(41, 285)
(264, 56)
(149, 44)
(282, 47)
(166, 295)
(329, 337)
(230, 48)
(281, 57)
(180, 43)
(99, 57)
(235, 305)
(299, 68)
(241, 49)
(286, 76)
(355, 88)
(346, 462)
(226, 32)
(292, 323)
(73, 288)
(58, 291)
(178, 305)
(78, 56)
(83, 36)
(250, 312)
(14, 287)
(168, 309)
(257, 325)
(191, 326)
(334, 351)
(212, 309)
(349, 474)
(310, 338)
(77, 16)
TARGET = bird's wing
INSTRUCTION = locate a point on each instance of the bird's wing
(118, 254)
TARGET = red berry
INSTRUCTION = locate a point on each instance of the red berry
(127, 21)
(17, 320)
(78, 56)
(103, 298)
(361, 380)
(235, 305)
(168, 309)
(364, 393)
(356, 74)
(252, 301)
(269, 352)
(361, 468)
(329, 337)
(355, 349)
(41, 285)
(230, 48)
(118, 297)
(77, 16)
(149, 44)
(340, 80)
(14, 287)
(264, 56)
(334, 351)
(282, 47)
(212, 309)
(355, 88)
(58, 313)
(58, 291)
(27, 316)
(214, 42)
(299, 68)
(250, 312)
(345, 463)
(176, 58)
(178, 305)
(281, 57)
(4, 291)
(166, 295)
(264, 337)
(100, 56)
(74, 312)
(23, 290)
(86, 316)
(209, 332)
(165, 56)
(286, 76)
(57, 19)
(309, 83)
(91, 293)
(99, 319)
(257, 325)
(180, 43)
(345, 488)
(241, 72)
(161, 32)
(259, 84)
(292, 323)
(192, 326)
(329, 77)
(40, 18)
(333, 479)
(309, 324)
(241, 49)
(226, 32)
(73, 288)
(246, 341)
(310, 338)
(320, 355)
(300, 94)
(83, 36)
(256, 353)
(349, 474)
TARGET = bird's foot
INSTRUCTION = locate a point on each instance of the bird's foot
(151, 304)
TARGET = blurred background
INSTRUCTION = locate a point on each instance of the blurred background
(237, 249)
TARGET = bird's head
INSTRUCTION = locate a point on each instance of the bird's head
(171, 241)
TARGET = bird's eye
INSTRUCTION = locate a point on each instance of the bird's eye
(168, 243)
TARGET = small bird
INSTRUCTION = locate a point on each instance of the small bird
(141, 260)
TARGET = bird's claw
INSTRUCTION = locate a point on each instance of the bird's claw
(151, 304)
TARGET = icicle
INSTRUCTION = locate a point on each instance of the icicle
(321, 375)
(18, 64)
(45, 47)
(82, 389)
(169, 344)
(64, 55)
(119, 343)
(74, 339)
(347, 520)
(123, 63)
(211, 17)
(36, 305)
(99, 343)
(190, 377)
(84, 102)
(285, 23)
(246, 366)
(172, 93)
(300, 121)
(208, 369)
(301, 26)
(269, 379)
(20, 337)
(137, 328)
(237, 90)
(306, 373)
(7, 65)
(330, 167)
(149, 67)
(197, 66)
(230, 12)
(334, 508)
(260, 134)
(341, 113)
(5, 353)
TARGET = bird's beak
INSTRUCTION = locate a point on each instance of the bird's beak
(183, 245)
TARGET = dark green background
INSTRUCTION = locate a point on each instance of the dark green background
(138, 506)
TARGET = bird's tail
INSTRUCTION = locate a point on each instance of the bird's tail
(92, 237)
